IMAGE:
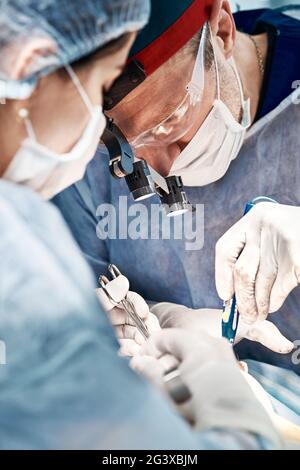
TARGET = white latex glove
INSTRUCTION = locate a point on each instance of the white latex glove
(221, 397)
(129, 337)
(259, 260)
(178, 316)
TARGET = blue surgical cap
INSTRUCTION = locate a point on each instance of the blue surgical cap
(73, 28)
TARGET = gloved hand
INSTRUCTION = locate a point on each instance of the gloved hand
(129, 337)
(221, 397)
(177, 316)
(258, 259)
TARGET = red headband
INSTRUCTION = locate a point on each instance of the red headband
(175, 37)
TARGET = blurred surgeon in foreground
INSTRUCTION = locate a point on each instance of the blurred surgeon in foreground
(63, 384)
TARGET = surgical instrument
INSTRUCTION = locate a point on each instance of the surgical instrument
(230, 318)
(178, 391)
(125, 303)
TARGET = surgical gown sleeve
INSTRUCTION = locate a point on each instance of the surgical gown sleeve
(63, 385)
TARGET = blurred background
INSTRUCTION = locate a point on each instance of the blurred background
(251, 5)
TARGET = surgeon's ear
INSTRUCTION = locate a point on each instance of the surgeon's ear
(223, 26)
(26, 56)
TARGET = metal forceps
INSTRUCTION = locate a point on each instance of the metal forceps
(125, 303)
(178, 391)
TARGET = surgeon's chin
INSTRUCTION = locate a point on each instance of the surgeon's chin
(161, 159)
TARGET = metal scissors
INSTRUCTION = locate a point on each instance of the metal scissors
(178, 391)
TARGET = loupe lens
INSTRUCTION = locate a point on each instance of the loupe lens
(140, 183)
(175, 202)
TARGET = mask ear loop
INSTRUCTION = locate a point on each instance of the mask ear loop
(216, 64)
(241, 88)
(196, 86)
(233, 65)
(245, 104)
(80, 88)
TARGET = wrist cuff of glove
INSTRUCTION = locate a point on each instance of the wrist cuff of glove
(225, 400)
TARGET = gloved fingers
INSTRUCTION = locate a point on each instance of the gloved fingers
(117, 290)
(266, 276)
(129, 332)
(245, 276)
(228, 249)
(166, 361)
(152, 324)
(129, 348)
(179, 316)
(125, 327)
(178, 343)
(170, 315)
(166, 342)
(280, 291)
(149, 348)
(150, 368)
(282, 287)
(119, 317)
(267, 334)
(288, 276)
(139, 304)
(106, 303)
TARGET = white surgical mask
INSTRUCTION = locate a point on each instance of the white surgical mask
(217, 143)
(48, 172)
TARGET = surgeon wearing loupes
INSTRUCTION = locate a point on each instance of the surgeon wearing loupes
(212, 98)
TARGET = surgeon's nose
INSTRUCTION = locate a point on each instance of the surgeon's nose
(160, 158)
